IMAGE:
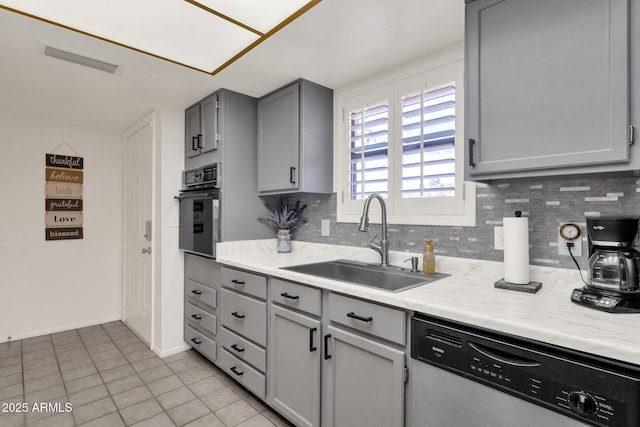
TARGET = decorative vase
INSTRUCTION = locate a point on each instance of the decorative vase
(284, 241)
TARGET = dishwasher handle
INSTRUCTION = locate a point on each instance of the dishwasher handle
(503, 357)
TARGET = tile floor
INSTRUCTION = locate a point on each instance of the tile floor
(107, 377)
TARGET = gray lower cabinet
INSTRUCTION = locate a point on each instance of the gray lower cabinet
(547, 88)
(295, 128)
(365, 384)
(294, 366)
(202, 285)
(243, 329)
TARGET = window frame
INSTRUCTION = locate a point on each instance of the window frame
(459, 210)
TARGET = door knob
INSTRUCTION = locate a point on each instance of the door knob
(146, 250)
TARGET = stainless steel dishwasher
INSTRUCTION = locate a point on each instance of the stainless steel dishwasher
(462, 376)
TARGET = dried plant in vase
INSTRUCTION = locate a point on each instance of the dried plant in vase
(284, 219)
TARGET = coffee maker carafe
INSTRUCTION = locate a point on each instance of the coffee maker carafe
(613, 281)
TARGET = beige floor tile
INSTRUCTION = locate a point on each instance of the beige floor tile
(160, 420)
(131, 397)
(93, 410)
(206, 386)
(236, 413)
(257, 421)
(141, 411)
(207, 421)
(175, 398)
(220, 398)
(188, 412)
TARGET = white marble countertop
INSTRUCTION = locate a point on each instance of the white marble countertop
(468, 295)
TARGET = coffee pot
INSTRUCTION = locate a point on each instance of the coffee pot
(613, 262)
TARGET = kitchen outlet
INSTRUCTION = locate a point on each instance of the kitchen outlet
(498, 238)
(576, 250)
(324, 228)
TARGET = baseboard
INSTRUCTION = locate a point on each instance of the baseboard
(60, 329)
(166, 353)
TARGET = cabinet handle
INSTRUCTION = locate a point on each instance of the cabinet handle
(286, 295)
(472, 144)
(196, 292)
(239, 316)
(312, 332)
(199, 141)
(362, 319)
(237, 282)
(196, 316)
(236, 348)
(194, 142)
(292, 175)
(235, 371)
(327, 356)
(196, 341)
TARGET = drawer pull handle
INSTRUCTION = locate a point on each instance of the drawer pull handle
(238, 282)
(196, 341)
(239, 316)
(236, 348)
(312, 332)
(196, 316)
(362, 319)
(286, 295)
(327, 356)
(235, 371)
(196, 292)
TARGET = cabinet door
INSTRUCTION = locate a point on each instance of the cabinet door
(547, 84)
(294, 366)
(365, 382)
(278, 140)
(209, 121)
(191, 131)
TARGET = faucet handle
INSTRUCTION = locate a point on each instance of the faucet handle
(374, 238)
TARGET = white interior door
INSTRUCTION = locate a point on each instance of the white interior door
(138, 284)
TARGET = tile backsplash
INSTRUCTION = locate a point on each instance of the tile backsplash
(547, 203)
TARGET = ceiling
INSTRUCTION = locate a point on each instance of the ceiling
(335, 43)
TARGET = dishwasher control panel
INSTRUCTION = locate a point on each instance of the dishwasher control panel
(580, 386)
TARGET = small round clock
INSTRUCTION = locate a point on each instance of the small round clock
(570, 231)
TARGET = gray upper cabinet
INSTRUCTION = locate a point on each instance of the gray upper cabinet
(201, 127)
(295, 128)
(547, 87)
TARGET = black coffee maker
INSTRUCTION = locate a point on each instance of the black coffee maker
(614, 266)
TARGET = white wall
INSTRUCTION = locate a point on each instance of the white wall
(48, 286)
(168, 259)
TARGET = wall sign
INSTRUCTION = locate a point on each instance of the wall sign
(63, 206)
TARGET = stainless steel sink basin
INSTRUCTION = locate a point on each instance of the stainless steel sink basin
(394, 279)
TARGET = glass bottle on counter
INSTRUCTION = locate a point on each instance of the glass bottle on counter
(428, 258)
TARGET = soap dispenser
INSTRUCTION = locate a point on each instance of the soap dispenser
(428, 258)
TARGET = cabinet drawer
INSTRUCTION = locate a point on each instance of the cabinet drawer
(245, 316)
(245, 282)
(383, 322)
(202, 270)
(199, 318)
(200, 293)
(243, 349)
(243, 373)
(297, 296)
(199, 342)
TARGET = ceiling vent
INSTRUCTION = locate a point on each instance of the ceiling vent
(81, 60)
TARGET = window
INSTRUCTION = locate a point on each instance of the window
(369, 144)
(403, 141)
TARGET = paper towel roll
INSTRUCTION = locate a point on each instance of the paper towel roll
(516, 250)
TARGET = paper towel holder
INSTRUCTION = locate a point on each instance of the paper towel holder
(531, 287)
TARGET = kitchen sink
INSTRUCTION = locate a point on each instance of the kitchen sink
(394, 279)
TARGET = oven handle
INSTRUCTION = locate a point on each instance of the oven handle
(504, 358)
(208, 195)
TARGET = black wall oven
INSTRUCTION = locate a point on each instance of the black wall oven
(199, 226)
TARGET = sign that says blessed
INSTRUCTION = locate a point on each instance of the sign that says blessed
(64, 177)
